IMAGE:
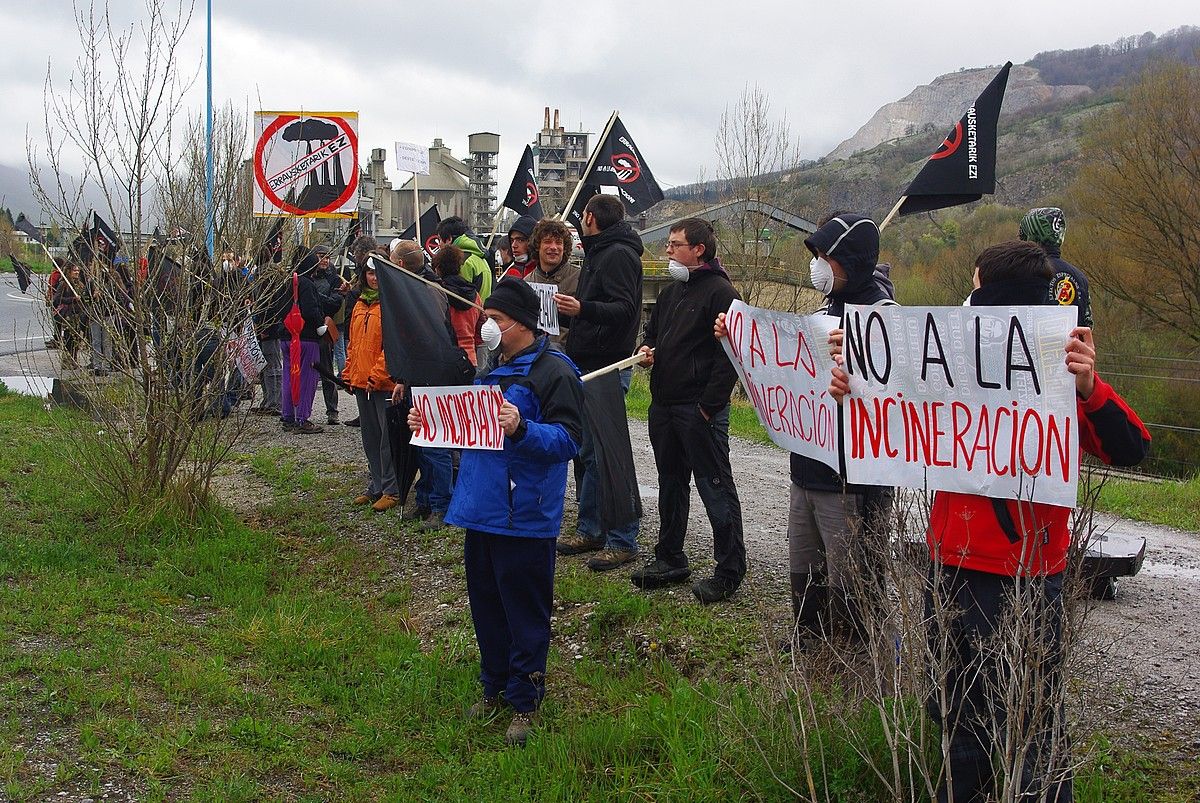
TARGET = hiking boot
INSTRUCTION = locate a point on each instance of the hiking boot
(518, 729)
(714, 589)
(385, 502)
(485, 707)
(608, 559)
(577, 544)
(435, 521)
(365, 499)
(353, 422)
(659, 573)
(332, 418)
(309, 428)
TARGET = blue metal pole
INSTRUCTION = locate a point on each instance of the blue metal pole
(210, 215)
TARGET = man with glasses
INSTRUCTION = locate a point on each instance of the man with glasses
(690, 383)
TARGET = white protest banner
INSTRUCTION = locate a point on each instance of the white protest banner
(306, 164)
(784, 364)
(970, 399)
(548, 318)
(246, 353)
(412, 158)
(459, 417)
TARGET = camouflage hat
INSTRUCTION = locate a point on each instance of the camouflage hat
(1045, 225)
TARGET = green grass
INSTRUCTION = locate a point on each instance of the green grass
(743, 421)
(281, 658)
(1175, 504)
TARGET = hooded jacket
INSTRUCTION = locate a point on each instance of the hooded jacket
(690, 367)
(366, 368)
(852, 240)
(610, 298)
(465, 319)
(475, 269)
(519, 490)
(1068, 285)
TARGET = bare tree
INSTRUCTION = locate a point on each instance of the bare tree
(755, 151)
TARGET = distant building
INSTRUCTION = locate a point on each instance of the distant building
(484, 148)
(560, 156)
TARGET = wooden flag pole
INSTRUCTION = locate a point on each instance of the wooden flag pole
(892, 214)
(417, 213)
(587, 170)
(434, 285)
(619, 365)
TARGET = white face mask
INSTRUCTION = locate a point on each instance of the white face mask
(522, 259)
(821, 274)
(679, 273)
(491, 332)
(967, 303)
(225, 264)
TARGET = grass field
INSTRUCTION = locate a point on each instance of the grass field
(291, 652)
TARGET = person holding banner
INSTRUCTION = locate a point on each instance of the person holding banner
(366, 372)
(510, 502)
(996, 562)
(551, 245)
(690, 385)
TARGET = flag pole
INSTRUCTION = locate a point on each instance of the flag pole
(587, 170)
(209, 215)
(417, 213)
(434, 285)
(62, 274)
(892, 214)
(619, 365)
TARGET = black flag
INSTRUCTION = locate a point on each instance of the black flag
(418, 343)
(574, 215)
(272, 246)
(963, 168)
(430, 219)
(617, 162)
(352, 234)
(24, 274)
(101, 237)
(31, 231)
(523, 196)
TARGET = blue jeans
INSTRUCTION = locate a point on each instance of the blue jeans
(436, 481)
(623, 537)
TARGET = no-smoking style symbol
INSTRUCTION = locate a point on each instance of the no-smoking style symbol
(307, 165)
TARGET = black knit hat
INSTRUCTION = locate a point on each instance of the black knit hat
(517, 300)
(524, 225)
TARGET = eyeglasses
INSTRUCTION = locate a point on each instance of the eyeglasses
(672, 244)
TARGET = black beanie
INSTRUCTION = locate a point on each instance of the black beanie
(517, 300)
(524, 225)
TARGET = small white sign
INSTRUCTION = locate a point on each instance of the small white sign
(412, 158)
(548, 317)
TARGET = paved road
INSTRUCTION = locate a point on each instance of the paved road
(20, 325)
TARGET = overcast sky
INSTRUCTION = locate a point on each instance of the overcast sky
(415, 71)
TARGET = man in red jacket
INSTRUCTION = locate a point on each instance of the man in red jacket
(995, 600)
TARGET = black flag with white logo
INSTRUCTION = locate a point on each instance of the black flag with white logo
(430, 219)
(963, 168)
(617, 162)
(523, 196)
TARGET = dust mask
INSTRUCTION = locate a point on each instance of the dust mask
(679, 273)
(820, 273)
(491, 332)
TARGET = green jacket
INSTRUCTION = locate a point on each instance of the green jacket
(476, 269)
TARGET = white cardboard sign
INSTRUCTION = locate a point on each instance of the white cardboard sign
(548, 317)
(459, 417)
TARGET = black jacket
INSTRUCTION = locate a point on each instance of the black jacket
(610, 297)
(690, 367)
(853, 241)
(1069, 286)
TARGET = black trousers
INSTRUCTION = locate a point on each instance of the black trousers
(685, 445)
(328, 390)
(981, 682)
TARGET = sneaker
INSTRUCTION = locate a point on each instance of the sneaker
(309, 428)
(659, 573)
(365, 499)
(714, 589)
(353, 422)
(332, 418)
(485, 707)
(385, 502)
(288, 424)
(518, 729)
(608, 559)
(434, 521)
(577, 544)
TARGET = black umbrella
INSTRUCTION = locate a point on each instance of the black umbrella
(605, 416)
(404, 454)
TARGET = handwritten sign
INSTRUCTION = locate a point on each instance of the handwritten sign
(784, 364)
(969, 399)
(548, 317)
(412, 158)
(459, 417)
(245, 352)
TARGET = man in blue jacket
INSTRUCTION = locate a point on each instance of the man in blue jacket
(510, 502)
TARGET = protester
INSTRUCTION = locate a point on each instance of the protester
(51, 285)
(70, 320)
(504, 257)
(510, 502)
(604, 321)
(995, 559)
(362, 247)
(367, 374)
(465, 318)
(296, 415)
(271, 302)
(551, 243)
(691, 380)
(524, 258)
(476, 270)
(1047, 226)
(436, 466)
